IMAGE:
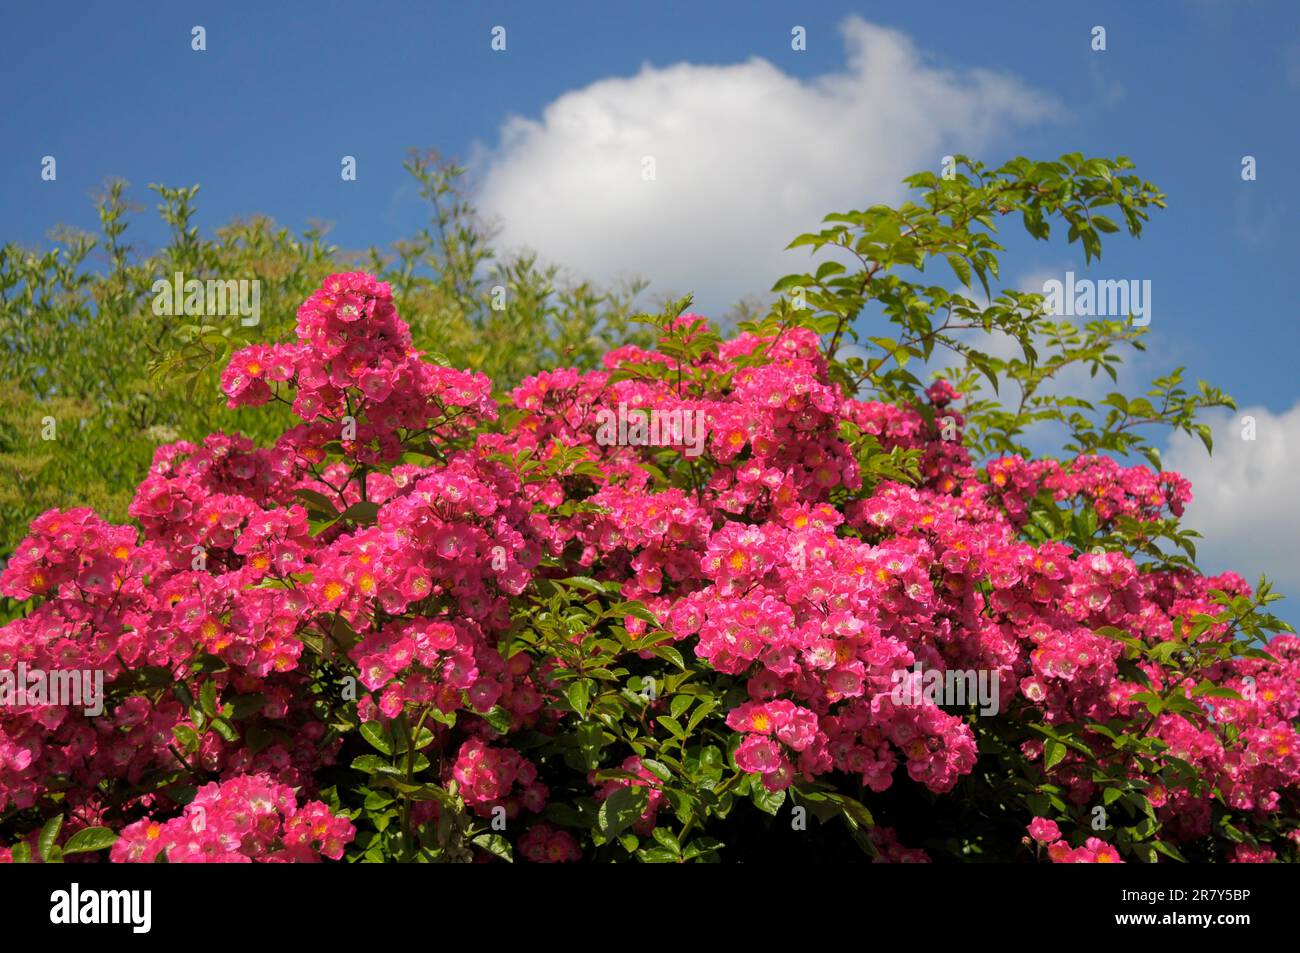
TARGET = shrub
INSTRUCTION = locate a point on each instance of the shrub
(669, 608)
(80, 342)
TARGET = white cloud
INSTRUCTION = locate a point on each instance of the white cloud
(1244, 497)
(746, 157)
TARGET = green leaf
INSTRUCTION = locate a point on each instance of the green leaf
(208, 698)
(245, 706)
(639, 610)
(48, 836)
(89, 839)
(578, 694)
(658, 768)
(699, 715)
(701, 846)
(378, 737)
(496, 845)
(766, 801)
(667, 838)
(498, 718)
(591, 738)
(658, 855)
(1053, 752)
(317, 503)
(620, 811)
(224, 728)
(372, 764)
(363, 512)
(186, 736)
(672, 655)
(857, 811)
(1169, 850)
(183, 694)
(672, 724)
(960, 267)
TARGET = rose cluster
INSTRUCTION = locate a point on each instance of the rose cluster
(388, 543)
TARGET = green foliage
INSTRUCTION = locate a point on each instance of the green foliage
(955, 220)
(80, 342)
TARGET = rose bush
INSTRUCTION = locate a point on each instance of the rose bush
(431, 624)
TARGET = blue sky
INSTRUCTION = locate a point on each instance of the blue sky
(755, 142)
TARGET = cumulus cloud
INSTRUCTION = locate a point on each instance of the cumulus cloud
(745, 157)
(1245, 500)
